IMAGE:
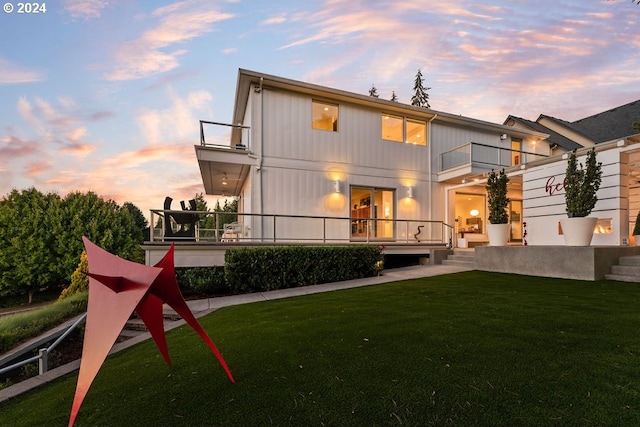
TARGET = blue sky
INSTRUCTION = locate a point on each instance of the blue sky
(105, 95)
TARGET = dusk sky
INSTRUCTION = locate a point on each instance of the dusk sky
(105, 95)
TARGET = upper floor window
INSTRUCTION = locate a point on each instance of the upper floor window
(324, 116)
(392, 128)
(401, 129)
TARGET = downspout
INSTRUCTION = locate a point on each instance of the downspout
(260, 158)
(430, 180)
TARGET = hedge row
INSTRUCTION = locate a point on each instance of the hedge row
(264, 269)
(202, 281)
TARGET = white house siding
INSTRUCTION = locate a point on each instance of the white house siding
(544, 204)
(299, 165)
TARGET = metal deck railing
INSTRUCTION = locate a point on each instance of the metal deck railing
(226, 227)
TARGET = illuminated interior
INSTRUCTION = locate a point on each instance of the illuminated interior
(324, 116)
(372, 213)
(470, 213)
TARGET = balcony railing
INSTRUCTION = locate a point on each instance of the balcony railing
(250, 227)
(227, 136)
(485, 156)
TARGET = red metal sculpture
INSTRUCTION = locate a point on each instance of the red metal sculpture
(117, 288)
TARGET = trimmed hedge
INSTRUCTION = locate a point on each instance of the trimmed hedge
(202, 280)
(264, 269)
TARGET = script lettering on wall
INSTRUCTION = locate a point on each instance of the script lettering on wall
(552, 187)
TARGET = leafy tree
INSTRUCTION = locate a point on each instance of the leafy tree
(27, 246)
(636, 125)
(394, 97)
(138, 218)
(41, 237)
(373, 91)
(420, 96)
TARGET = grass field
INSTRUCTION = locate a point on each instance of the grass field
(467, 349)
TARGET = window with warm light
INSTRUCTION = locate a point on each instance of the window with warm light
(392, 128)
(416, 132)
(401, 129)
(324, 116)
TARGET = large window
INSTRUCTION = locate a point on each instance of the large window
(324, 116)
(401, 129)
(372, 213)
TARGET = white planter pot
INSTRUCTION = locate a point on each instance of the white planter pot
(462, 242)
(578, 231)
(498, 234)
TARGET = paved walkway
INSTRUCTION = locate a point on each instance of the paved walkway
(205, 306)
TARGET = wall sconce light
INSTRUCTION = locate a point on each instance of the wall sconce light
(336, 186)
(503, 136)
(224, 179)
(410, 192)
(474, 212)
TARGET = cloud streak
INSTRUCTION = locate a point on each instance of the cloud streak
(154, 52)
(12, 73)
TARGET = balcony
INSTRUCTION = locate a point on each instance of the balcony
(474, 159)
(224, 157)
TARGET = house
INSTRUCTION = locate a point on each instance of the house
(613, 136)
(322, 164)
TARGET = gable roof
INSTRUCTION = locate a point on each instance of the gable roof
(602, 127)
(554, 137)
(611, 124)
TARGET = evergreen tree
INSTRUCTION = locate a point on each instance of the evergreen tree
(420, 96)
(636, 125)
(394, 97)
(373, 92)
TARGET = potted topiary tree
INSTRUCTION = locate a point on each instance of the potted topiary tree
(581, 186)
(636, 230)
(498, 230)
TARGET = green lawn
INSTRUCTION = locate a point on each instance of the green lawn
(465, 349)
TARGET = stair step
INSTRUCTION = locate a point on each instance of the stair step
(457, 262)
(626, 270)
(629, 260)
(622, 278)
(454, 257)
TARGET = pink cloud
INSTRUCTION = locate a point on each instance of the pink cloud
(86, 9)
(148, 55)
(12, 73)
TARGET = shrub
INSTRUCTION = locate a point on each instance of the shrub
(264, 269)
(79, 280)
(16, 328)
(202, 280)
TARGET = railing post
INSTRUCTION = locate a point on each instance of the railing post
(324, 230)
(217, 227)
(151, 227)
(43, 362)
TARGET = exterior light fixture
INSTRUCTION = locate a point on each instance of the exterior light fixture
(224, 179)
(336, 186)
(503, 136)
(410, 192)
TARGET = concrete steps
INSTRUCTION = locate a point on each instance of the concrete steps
(465, 257)
(627, 270)
(135, 326)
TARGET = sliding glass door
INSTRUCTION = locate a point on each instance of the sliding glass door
(372, 213)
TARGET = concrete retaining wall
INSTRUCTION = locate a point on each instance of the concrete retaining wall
(565, 262)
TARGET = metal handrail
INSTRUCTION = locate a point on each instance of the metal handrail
(468, 152)
(43, 353)
(234, 127)
(443, 237)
